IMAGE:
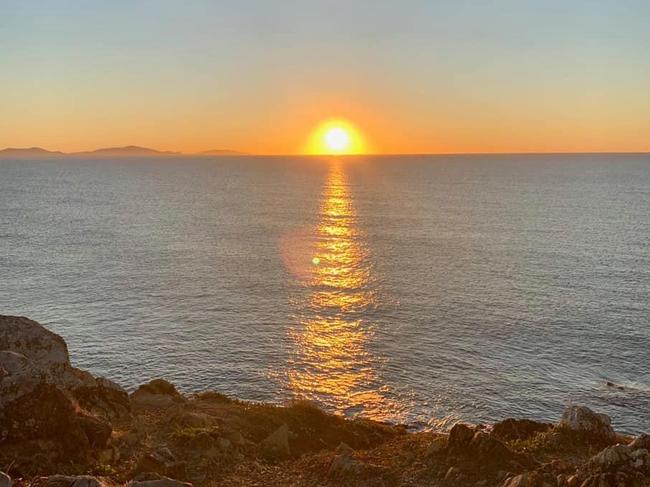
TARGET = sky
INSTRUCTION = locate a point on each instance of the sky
(414, 76)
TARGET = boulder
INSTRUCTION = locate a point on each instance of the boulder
(5, 480)
(97, 431)
(30, 339)
(20, 376)
(480, 448)
(157, 393)
(42, 397)
(613, 457)
(160, 461)
(45, 413)
(102, 397)
(518, 429)
(31, 355)
(583, 420)
(276, 445)
(490, 452)
(344, 464)
(459, 438)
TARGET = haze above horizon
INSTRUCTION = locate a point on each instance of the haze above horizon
(259, 77)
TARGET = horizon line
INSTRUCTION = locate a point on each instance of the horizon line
(236, 153)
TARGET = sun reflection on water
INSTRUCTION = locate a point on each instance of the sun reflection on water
(331, 362)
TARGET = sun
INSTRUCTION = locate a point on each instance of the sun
(336, 137)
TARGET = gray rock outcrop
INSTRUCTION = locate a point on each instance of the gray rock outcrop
(583, 420)
(42, 396)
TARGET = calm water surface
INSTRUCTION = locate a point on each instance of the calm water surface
(424, 290)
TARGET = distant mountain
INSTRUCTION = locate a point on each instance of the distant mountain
(29, 153)
(219, 152)
(128, 151)
(131, 151)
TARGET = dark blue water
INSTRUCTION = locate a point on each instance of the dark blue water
(415, 289)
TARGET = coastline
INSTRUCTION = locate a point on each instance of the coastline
(58, 423)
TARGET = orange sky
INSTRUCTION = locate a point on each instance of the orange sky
(426, 77)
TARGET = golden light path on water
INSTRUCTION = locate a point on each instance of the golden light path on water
(331, 362)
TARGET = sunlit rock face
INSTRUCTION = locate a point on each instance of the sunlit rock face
(27, 337)
(43, 397)
(583, 420)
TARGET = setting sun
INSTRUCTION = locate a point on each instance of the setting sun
(336, 136)
(337, 139)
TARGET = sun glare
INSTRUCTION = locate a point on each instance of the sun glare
(337, 139)
(334, 137)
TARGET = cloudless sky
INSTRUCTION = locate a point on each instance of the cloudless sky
(259, 75)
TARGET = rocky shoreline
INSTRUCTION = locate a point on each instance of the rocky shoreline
(62, 427)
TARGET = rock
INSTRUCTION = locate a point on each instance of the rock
(641, 441)
(583, 420)
(202, 440)
(518, 429)
(459, 438)
(489, 451)
(103, 397)
(97, 431)
(160, 386)
(162, 482)
(613, 457)
(479, 447)
(192, 420)
(157, 393)
(45, 413)
(42, 397)
(608, 480)
(20, 376)
(344, 465)
(33, 355)
(641, 459)
(27, 337)
(161, 461)
(276, 445)
(71, 481)
(5, 480)
(437, 445)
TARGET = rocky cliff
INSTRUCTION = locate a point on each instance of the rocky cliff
(63, 427)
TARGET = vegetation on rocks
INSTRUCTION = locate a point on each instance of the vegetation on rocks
(61, 427)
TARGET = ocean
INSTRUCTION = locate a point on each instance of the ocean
(423, 290)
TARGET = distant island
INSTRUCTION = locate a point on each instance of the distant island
(131, 151)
